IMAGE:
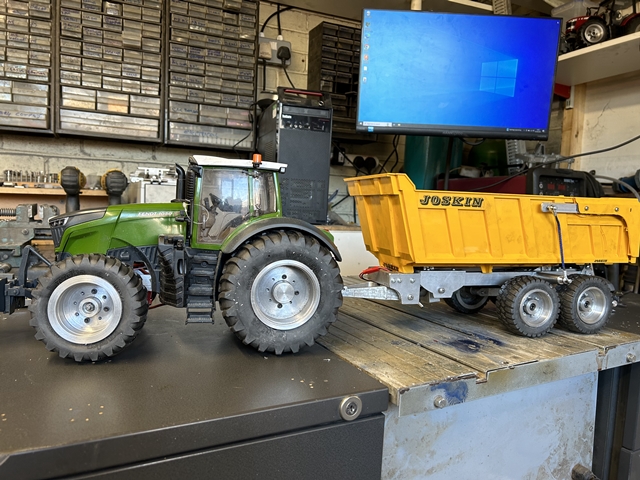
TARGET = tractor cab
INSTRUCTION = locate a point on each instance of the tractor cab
(228, 194)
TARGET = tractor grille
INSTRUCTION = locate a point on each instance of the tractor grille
(57, 229)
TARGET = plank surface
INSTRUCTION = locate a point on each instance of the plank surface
(418, 349)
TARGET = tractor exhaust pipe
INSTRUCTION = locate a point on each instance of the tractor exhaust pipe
(180, 183)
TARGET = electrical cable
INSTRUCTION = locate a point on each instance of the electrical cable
(278, 18)
(264, 62)
(382, 167)
(627, 142)
(246, 136)
(622, 184)
(344, 154)
(561, 159)
(287, 74)
(273, 15)
(395, 142)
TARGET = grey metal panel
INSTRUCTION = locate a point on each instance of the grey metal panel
(539, 432)
(631, 438)
(605, 422)
(629, 465)
(175, 390)
(345, 451)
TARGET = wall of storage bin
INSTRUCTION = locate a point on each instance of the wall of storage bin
(165, 71)
(25, 65)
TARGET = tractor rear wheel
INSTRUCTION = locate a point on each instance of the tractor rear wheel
(280, 291)
(528, 306)
(464, 301)
(593, 31)
(633, 26)
(88, 307)
(585, 304)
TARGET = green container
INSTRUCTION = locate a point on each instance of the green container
(426, 157)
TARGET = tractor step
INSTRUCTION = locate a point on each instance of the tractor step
(199, 303)
(200, 290)
(199, 318)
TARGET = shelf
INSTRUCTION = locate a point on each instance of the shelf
(353, 9)
(49, 191)
(613, 57)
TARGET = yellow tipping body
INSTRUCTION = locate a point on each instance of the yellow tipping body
(406, 228)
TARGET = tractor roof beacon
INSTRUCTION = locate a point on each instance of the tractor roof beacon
(222, 239)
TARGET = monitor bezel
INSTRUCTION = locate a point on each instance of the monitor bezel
(463, 131)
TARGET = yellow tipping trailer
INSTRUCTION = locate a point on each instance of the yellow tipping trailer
(465, 247)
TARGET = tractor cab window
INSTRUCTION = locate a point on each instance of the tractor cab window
(264, 193)
(224, 203)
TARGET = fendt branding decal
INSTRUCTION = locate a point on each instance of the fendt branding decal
(157, 214)
(446, 201)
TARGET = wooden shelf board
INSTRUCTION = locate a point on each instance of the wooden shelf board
(609, 59)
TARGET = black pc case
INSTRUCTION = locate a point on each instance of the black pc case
(296, 130)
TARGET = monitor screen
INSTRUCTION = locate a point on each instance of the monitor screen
(444, 74)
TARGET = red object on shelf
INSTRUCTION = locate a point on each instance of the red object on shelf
(563, 91)
(513, 185)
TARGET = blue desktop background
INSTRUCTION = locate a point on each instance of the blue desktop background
(457, 70)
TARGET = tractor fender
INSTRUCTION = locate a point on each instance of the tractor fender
(279, 223)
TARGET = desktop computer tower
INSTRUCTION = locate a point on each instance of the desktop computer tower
(296, 130)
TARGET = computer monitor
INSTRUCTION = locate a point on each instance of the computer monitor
(443, 74)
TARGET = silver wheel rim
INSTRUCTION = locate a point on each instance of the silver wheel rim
(592, 305)
(594, 33)
(84, 309)
(536, 307)
(285, 294)
(466, 299)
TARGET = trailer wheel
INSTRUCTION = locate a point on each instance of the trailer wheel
(88, 307)
(585, 304)
(528, 306)
(464, 301)
(593, 31)
(280, 291)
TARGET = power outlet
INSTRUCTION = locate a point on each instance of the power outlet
(274, 44)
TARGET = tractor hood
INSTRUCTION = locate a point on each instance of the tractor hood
(60, 223)
(117, 226)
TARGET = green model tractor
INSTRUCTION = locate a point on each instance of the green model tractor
(224, 238)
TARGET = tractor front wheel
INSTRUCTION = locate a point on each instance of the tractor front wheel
(88, 307)
(280, 291)
(593, 31)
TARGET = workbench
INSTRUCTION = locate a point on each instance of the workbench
(183, 401)
(472, 400)
(469, 400)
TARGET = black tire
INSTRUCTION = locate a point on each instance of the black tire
(466, 302)
(528, 306)
(261, 297)
(593, 31)
(88, 307)
(586, 304)
(633, 26)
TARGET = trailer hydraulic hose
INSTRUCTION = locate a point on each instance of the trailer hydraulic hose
(555, 215)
